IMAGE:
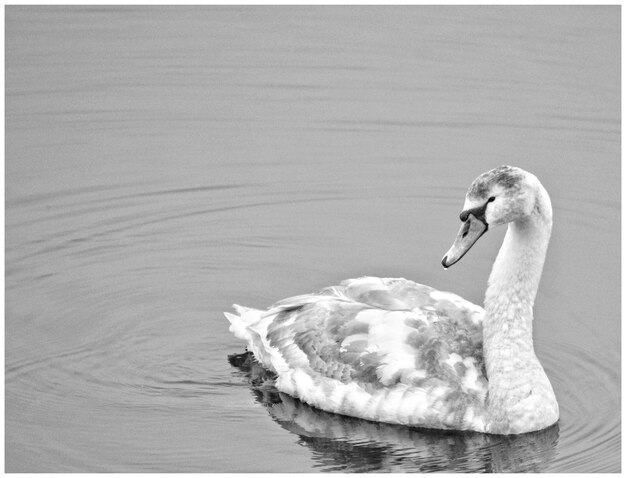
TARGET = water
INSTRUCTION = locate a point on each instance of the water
(163, 163)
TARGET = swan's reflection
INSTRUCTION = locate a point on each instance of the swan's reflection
(340, 443)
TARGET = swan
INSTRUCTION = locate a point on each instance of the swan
(395, 351)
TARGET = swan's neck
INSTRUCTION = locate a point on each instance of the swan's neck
(519, 389)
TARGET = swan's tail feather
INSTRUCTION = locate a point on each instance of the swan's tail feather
(240, 323)
(250, 327)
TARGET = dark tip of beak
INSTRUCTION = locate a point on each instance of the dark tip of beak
(443, 262)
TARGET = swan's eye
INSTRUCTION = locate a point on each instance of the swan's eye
(491, 199)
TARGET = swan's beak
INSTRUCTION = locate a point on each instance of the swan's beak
(470, 232)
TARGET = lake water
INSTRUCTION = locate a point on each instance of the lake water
(164, 163)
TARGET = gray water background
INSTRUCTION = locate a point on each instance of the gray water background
(163, 163)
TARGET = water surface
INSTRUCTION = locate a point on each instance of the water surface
(163, 163)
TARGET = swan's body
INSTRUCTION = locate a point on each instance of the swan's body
(395, 351)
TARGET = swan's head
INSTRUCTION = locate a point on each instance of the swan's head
(502, 195)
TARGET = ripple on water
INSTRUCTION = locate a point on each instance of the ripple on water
(150, 363)
(590, 419)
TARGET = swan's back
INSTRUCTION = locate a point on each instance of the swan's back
(387, 350)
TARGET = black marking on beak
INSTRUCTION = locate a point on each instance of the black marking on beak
(478, 212)
(473, 227)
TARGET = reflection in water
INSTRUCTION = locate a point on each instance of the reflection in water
(340, 443)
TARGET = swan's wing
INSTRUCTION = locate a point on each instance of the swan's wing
(379, 332)
(382, 349)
